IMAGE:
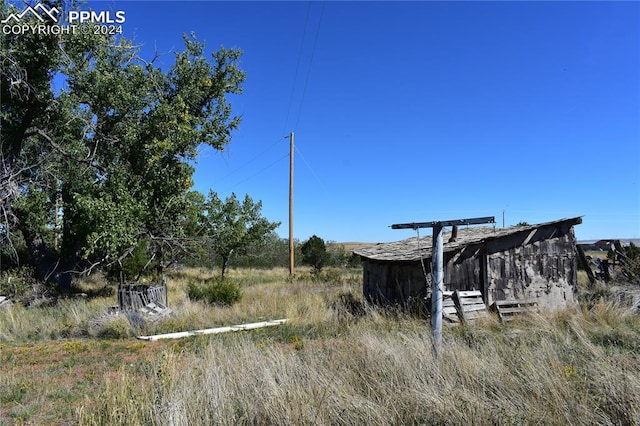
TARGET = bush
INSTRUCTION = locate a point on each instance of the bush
(116, 328)
(314, 253)
(215, 291)
(18, 282)
(347, 307)
(629, 270)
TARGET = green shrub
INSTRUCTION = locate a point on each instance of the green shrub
(215, 291)
(629, 269)
(17, 282)
(117, 328)
(314, 253)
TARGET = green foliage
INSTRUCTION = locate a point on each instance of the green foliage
(340, 257)
(347, 307)
(326, 275)
(594, 294)
(17, 282)
(140, 260)
(629, 269)
(233, 227)
(117, 328)
(314, 253)
(215, 291)
(105, 161)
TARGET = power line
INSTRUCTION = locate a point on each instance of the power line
(313, 52)
(295, 76)
(309, 167)
(261, 170)
(252, 159)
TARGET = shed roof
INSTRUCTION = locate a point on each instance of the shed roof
(413, 249)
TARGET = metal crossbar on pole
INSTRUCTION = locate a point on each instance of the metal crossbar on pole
(472, 221)
(437, 269)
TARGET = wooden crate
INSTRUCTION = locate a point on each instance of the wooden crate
(135, 297)
(507, 309)
(470, 305)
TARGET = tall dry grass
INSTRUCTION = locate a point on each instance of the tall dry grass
(572, 367)
(267, 295)
(326, 366)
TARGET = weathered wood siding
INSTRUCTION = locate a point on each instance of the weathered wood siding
(391, 283)
(463, 269)
(543, 270)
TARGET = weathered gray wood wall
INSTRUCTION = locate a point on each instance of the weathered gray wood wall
(390, 283)
(544, 270)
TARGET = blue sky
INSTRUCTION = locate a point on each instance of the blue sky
(419, 111)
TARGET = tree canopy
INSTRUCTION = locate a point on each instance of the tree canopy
(233, 227)
(314, 253)
(97, 147)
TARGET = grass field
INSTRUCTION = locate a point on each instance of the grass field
(70, 364)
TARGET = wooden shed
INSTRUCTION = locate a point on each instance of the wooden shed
(534, 263)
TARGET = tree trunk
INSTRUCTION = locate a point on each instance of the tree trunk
(72, 243)
(225, 262)
(44, 263)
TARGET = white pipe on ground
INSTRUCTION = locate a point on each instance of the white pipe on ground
(217, 330)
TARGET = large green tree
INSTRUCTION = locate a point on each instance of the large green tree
(233, 226)
(97, 145)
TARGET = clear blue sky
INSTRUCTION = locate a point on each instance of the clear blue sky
(422, 111)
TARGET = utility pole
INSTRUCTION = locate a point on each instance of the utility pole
(291, 248)
(437, 270)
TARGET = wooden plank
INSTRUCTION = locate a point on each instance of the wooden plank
(515, 302)
(586, 264)
(449, 310)
(520, 305)
(468, 293)
(471, 302)
(472, 299)
(516, 310)
(475, 307)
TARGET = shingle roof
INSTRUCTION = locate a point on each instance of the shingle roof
(413, 249)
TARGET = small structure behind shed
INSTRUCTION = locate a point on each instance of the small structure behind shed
(533, 263)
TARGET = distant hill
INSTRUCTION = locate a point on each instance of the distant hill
(625, 241)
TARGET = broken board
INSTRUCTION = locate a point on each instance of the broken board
(449, 310)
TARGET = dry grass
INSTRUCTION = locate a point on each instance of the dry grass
(572, 367)
(544, 370)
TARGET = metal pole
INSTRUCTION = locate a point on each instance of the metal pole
(437, 288)
(291, 249)
(437, 269)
